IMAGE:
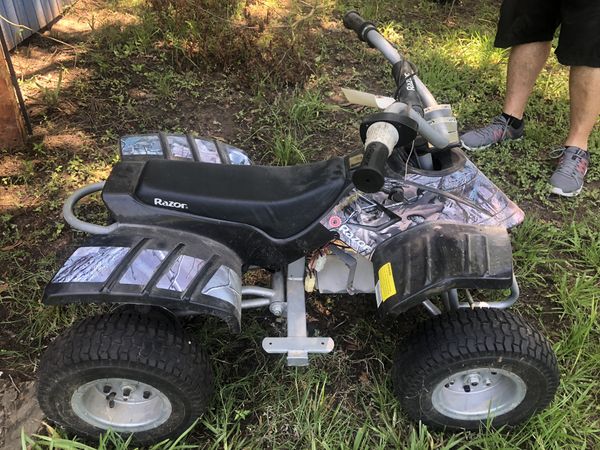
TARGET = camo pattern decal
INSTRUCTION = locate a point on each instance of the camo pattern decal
(466, 196)
(179, 148)
(144, 145)
(143, 267)
(90, 265)
(181, 273)
(226, 285)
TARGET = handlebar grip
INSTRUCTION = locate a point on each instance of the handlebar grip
(353, 21)
(370, 176)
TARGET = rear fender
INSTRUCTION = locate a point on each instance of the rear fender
(182, 272)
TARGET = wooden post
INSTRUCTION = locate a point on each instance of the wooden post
(12, 130)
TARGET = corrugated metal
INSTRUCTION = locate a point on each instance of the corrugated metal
(34, 14)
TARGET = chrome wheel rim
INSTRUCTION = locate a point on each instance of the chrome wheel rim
(121, 404)
(478, 393)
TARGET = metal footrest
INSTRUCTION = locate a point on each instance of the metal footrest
(297, 344)
(297, 348)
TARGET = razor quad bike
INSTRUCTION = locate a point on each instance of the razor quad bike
(409, 219)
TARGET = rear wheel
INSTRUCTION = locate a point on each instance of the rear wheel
(126, 371)
(468, 367)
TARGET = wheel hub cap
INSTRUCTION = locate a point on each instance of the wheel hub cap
(121, 404)
(478, 393)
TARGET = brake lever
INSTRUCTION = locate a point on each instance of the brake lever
(367, 99)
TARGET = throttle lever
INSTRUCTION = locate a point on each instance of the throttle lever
(381, 133)
(370, 176)
(381, 138)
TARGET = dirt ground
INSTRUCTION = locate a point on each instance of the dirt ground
(19, 410)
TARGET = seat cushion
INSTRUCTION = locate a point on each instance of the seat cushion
(281, 201)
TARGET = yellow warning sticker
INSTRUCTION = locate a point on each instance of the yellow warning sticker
(386, 282)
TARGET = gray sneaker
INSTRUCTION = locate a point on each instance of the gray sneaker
(499, 130)
(567, 179)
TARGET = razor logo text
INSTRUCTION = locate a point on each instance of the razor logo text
(170, 203)
(356, 243)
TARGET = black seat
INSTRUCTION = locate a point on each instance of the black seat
(281, 201)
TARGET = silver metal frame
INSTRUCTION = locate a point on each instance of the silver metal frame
(297, 344)
(79, 224)
(289, 298)
(451, 300)
(503, 304)
(274, 297)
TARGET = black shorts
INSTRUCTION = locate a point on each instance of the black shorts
(525, 21)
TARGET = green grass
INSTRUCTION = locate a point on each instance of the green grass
(109, 441)
(144, 76)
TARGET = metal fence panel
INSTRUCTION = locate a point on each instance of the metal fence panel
(34, 14)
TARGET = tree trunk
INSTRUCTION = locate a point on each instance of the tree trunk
(12, 130)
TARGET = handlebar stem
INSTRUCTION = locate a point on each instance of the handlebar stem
(435, 138)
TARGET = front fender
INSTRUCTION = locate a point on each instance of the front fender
(146, 265)
(432, 258)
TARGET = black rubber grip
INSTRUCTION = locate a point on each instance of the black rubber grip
(370, 176)
(353, 21)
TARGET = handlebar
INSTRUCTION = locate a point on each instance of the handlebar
(380, 140)
(397, 125)
(370, 176)
(367, 32)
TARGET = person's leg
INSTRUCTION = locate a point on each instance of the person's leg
(525, 63)
(584, 93)
(527, 27)
(578, 45)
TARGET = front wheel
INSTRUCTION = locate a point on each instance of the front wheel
(128, 372)
(471, 367)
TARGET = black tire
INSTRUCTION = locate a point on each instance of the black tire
(433, 374)
(150, 349)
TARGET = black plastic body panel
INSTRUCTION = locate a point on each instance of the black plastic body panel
(150, 266)
(253, 246)
(432, 258)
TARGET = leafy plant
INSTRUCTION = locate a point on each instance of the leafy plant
(51, 94)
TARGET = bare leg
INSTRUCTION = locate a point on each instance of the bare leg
(584, 91)
(524, 65)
